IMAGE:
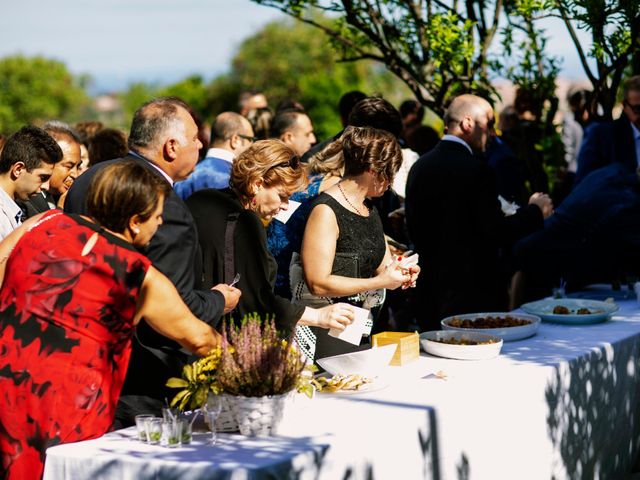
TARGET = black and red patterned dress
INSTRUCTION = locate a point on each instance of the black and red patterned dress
(67, 306)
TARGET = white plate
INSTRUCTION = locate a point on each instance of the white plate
(508, 334)
(544, 309)
(429, 343)
(374, 386)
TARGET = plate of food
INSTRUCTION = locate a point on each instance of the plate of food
(341, 384)
(461, 345)
(508, 326)
(572, 311)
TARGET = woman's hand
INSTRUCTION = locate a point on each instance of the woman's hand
(336, 316)
(412, 274)
(393, 276)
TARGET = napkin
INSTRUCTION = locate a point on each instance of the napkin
(354, 332)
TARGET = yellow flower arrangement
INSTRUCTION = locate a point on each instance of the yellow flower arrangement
(198, 379)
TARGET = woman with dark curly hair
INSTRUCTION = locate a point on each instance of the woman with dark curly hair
(73, 289)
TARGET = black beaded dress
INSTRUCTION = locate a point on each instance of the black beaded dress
(360, 249)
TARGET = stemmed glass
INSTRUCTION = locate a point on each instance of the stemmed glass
(212, 409)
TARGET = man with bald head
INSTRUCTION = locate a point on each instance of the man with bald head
(231, 134)
(455, 221)
(164, 139)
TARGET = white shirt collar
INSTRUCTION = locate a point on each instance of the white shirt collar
(10, 207)
(453, 138)
(636, 132)
(220, 153)
(164, 174)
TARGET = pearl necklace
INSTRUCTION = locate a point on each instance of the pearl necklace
(349, 202)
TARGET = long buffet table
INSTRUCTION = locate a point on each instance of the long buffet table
(563, 404)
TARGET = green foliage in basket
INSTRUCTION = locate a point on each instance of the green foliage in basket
(198, 379)
(257, 362)
(252, 361)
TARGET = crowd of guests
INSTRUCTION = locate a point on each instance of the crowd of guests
(123, 254)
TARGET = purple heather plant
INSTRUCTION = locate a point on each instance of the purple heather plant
(256, 361)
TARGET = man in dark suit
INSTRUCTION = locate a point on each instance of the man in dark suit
(164, 139)
(593, 236)
(455, 221)
(617, 141)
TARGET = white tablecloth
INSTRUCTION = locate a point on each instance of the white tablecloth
(563, 404)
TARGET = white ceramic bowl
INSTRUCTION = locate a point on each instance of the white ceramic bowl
(368, 363)
(429, 343)
(508, 334)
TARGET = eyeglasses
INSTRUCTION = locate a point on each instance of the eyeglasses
(634, 108)
(293, 162)
(247, 137)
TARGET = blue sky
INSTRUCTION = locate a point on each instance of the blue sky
(117, 41)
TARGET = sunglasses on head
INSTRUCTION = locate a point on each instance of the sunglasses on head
(293, 162)
(634, 108)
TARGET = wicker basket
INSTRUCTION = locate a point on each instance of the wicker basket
(226, 421)
(258, 415)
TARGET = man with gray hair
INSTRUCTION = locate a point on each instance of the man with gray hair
(231, 134)
(164, 139)
(455, 221)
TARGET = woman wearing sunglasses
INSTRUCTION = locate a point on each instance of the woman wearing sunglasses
(231, 231)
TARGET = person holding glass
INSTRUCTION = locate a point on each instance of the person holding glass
(72, 290)
(231, 231)
(344, 253)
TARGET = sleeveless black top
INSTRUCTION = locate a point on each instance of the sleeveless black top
(360, 247)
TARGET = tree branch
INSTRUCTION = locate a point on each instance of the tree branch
(576, 42)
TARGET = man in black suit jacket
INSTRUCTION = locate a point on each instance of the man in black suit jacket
(455, 221)
(164, 139)
(617, 141)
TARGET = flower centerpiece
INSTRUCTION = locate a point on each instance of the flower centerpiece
(255, 370)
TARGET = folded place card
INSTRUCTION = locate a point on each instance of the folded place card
(353, 333)
(284, 215)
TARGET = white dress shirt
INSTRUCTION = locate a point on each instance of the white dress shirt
(10, 214)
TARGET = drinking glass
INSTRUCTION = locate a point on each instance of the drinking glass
(186, 430)
(212, 410)
(170, 414)
(154, 430)
(171, 433)
(141, 426)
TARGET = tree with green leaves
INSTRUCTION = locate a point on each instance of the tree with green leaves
(36, 89)
(438, 48)
(288, 59)
(614, 26)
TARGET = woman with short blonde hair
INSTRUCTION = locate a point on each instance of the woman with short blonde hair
(232, 236)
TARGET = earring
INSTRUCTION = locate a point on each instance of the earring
(136, 231)
(253, 201)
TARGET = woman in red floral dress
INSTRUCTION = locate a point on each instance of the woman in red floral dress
(73, 289)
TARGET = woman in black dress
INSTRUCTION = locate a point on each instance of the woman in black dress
(344, 253)
(232, 235)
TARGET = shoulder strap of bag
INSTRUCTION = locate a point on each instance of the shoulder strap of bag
(229, 250)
